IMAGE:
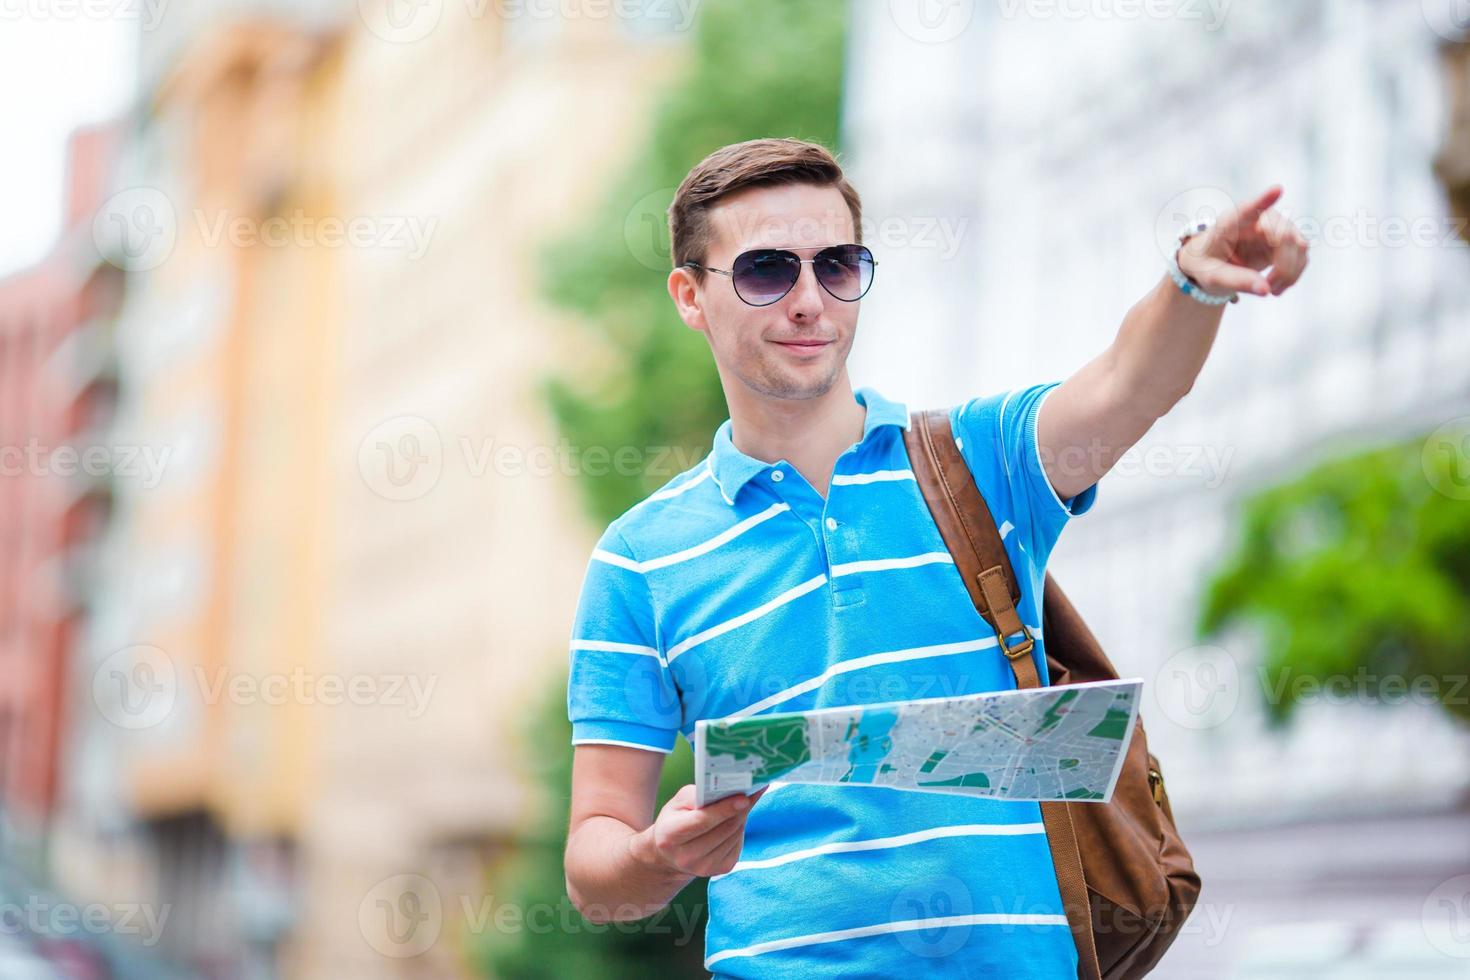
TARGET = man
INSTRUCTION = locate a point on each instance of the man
(798, 567)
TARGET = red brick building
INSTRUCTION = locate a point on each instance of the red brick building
(57, 387)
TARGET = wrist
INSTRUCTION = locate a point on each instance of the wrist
(1184, 261)
(1187, 283)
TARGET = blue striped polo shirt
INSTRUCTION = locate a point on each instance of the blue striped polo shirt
(738, 588)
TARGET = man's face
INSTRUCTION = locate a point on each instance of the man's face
(797, 347)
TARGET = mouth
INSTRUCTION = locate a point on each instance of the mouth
(807, 347)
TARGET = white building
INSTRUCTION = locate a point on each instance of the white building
(1023, 165)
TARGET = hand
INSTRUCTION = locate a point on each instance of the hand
(699, 841)
(1242, 242)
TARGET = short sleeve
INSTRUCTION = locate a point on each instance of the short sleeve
(998, 434)
(619, 690)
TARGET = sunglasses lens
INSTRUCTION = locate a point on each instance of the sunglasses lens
(845, 270)
(764, 276)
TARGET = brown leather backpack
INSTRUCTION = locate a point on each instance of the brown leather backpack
(1125, 877)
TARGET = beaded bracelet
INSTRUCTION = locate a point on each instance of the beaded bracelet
(1188, 286)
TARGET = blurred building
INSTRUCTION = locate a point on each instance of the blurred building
(488, 137)
(183, 793)
(57, 387)
(321, 632)
(1060, 190)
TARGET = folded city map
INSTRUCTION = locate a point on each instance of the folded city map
(1046, 743)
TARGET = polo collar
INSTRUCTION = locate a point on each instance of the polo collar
(732, 469)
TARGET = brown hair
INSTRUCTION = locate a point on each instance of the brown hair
(754, 163)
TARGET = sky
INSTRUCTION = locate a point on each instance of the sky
(59, 68)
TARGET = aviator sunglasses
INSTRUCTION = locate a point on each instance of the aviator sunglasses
(763, 275)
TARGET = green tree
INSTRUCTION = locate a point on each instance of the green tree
(1359, 569)
(757, 68)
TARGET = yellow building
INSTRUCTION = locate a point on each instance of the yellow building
(213, 579)
(333, 615)
(492, 137)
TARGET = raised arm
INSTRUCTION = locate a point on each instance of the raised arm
(1095, 416)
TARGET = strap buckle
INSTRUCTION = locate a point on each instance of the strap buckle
(1021, 649)
(1156, 784)
(1002, 612)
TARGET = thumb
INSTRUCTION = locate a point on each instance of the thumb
(1220, 277)
(682, 800)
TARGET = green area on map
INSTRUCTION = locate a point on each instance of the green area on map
(777, 742)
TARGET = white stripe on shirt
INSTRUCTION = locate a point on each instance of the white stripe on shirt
(725, 536)
(746, 617)
(885, 564)
(880, 843)
(704, 547)
(612, 558)
(610, 646)
(877, 476)
(906, 925)
(688, 484)
(613, 741)
(859, 663)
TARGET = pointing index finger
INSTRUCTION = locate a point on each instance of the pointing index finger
(1261, 204)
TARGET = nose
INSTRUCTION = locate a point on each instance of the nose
(807, 296)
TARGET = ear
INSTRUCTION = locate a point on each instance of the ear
(685, 293)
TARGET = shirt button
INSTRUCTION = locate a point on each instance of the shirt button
(831, 524)
(777, 476)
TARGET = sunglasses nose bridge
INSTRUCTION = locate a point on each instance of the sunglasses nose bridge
(806, 280)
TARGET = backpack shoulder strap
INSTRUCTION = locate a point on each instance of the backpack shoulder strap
(968, 528)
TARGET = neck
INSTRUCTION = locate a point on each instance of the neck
(810, 433)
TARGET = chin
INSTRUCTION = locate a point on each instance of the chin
(796, 386)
